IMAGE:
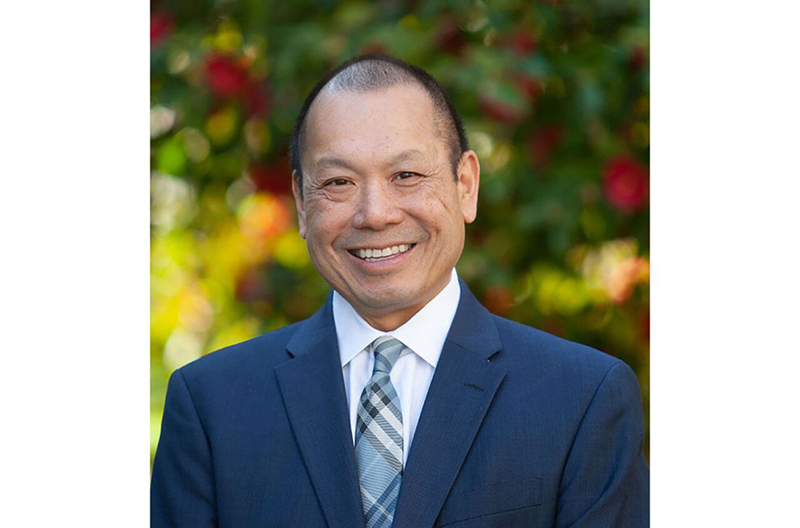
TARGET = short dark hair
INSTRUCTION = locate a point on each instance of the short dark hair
(371, 72)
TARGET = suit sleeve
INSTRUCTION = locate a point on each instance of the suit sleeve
(606, 481)
(182, 489)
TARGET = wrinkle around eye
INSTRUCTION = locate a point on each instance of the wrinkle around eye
(408, 177)
(329, 190)
(336, 182)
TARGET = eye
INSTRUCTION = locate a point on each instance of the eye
(406, 175)
(337, 182)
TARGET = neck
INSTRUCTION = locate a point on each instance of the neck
(386, 321)
(385, 317)
(389, 322)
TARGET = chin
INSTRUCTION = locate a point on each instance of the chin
(387, 301)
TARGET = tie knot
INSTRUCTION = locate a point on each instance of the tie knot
(387, 349)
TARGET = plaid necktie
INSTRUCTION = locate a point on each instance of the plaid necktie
(379, 437)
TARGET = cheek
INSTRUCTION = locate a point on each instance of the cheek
(441, 211)
(444, 196)
(445, 220)
(325, 223)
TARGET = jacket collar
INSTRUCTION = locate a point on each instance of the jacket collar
(462, 389)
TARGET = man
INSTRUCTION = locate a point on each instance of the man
(402, 402)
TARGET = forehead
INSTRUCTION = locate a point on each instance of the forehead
(371, 123)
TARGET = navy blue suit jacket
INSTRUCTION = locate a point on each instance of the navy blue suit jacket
(519, 428)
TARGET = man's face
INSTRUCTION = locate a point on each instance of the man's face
(381, 212)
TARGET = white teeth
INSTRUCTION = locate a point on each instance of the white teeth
(385, 252)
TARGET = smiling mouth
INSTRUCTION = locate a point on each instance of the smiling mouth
(378, 254)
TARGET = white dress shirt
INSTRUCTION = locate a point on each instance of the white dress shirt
(423, 335)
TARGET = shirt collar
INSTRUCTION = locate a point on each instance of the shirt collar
(424, 333)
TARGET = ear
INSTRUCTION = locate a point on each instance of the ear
(469, 177)
(298, 202)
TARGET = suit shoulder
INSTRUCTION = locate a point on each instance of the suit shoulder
(267, 349)
(527, 344)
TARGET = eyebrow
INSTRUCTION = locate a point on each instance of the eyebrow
(328, 162)
(407, 155)
(332, 162)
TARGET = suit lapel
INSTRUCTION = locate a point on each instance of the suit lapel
(313, 393)
(461, 392)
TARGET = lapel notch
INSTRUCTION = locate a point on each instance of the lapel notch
(462, 389)
(313, 393)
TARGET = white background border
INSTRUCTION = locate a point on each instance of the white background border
(75, 287)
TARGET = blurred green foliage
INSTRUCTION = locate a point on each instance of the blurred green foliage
(555, 100)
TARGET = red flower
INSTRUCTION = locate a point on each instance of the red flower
(274, 177)
(225, 76)
(542, 144)
(373, 47)
(160, 26)
(637, 58)
(644, 326)
(257, 98)
(531, 87)
(626, 184)
(498, 299)
(522, 42)
(449, 36)
(251, 286)
(499, 111)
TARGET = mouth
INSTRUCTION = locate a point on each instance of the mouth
(379, 254)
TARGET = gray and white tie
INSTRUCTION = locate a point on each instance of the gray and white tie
(379, 437)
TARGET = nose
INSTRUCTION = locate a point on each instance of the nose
(377, 208)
